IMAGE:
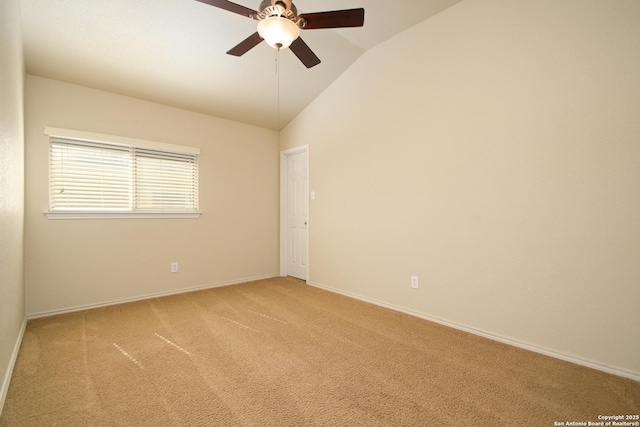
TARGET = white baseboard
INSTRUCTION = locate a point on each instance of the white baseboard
(12, 363)
(547, 352)
(149, 296)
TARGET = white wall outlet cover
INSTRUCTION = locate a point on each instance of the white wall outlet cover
(415, 282)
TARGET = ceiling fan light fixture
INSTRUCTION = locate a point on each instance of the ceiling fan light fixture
(278, 32)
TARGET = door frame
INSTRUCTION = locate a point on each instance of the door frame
(284, 174)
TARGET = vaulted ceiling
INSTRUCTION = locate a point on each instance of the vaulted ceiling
(173, 52)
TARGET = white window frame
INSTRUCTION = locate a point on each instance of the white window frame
(53, 132)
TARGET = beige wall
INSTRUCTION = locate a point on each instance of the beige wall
(493, 151)
(12, 312)
(77, 263)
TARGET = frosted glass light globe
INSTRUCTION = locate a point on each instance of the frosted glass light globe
(278, 32)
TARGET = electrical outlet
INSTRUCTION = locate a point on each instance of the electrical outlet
(174, 267)
(415, 282)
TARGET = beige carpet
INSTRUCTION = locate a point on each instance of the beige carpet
(280, 353)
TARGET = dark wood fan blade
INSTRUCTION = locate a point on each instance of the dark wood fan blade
(246, 45)
(334, 19)
(231, 7)
(304, 53)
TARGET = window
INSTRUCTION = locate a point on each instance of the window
(103, 176)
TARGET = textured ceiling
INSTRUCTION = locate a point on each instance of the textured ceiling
(173, 52)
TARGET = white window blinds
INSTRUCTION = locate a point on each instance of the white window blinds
(106, 174)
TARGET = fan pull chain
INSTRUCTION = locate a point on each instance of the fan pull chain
(278, 83)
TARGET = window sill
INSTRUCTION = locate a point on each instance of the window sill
(121, 215)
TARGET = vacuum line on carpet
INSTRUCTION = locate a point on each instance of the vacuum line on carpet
(268, 317)
(128, 356)
(240, 324)
(172, 343)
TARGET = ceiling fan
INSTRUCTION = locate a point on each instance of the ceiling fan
(280, 26)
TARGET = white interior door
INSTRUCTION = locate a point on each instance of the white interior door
(297, 215)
